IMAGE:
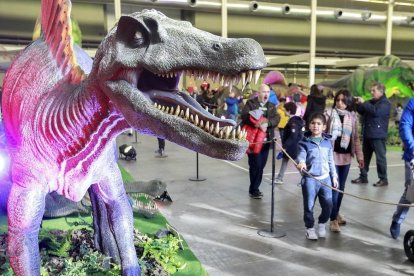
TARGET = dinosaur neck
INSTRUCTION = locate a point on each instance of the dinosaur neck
(80, 121)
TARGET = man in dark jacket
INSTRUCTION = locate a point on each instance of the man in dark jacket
(375, 117)
(257, 162)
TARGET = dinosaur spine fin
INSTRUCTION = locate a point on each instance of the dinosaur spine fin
(56, 28)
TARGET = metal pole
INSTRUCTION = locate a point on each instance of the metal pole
(197, 178)
(312, 48)
(117, 7)
(224, 18)
(388, 38)
(272, 233)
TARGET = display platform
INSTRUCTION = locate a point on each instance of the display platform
(185, 263)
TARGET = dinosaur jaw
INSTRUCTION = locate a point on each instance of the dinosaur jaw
(163, 111)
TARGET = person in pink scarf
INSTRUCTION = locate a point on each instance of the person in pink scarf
(343, 128)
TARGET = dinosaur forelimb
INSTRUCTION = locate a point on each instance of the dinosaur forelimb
(25, 211)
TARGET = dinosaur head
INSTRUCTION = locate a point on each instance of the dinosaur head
(139, 65)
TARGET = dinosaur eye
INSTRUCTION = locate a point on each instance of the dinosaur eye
(138, 35)
(138, 39)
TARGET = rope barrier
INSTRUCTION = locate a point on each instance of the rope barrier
(332, 188)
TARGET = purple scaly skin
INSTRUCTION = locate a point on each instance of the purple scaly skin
(62, 114)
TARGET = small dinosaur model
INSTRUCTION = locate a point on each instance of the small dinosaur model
(62, 112)
(391, 71)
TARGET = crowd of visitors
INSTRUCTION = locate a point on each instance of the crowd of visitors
(321, 141)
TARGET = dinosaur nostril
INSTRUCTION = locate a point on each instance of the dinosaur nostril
(216, 46)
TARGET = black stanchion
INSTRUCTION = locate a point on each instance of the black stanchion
(197, 178)
(273, 233)
(136, 138)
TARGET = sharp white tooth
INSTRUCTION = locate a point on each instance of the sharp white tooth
(187, 113)
(172, 110)
(177, 111)
(256, 76)
(222, 81)
(182, 74)
(155, 105)
(211, 128)
(167, 109)
(163, 108)
(233, 134)
(221, 134)
(196, 120)
(182, 113)
(238, 130)
(243, 78)
(217, 128)
(228, 129)
(201, 124)
(192, 118)
(216, 78)
(249, 78)
(239, 133)
(230, 86)
(207, 126)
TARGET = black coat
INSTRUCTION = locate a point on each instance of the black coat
(292, 134)
(315, 105)
(375, 117)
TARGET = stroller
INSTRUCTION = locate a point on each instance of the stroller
(127, 152)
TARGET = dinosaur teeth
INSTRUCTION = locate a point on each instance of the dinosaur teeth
(187, 113)
(196, 120)
(250, 75)
(243, 78)
(177, 111)
(228, 129)
(201, 124)
(256, 76)
(217, 128)
(207, 128)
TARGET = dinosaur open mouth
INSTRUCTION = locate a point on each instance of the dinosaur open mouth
(162, 90)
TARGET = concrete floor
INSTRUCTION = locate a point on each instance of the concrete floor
(220, 221)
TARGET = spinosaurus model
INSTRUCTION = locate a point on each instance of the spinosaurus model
(62, 113)
(391, 71)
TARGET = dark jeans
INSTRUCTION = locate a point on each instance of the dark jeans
(161, 143)
(257, 162)
(311, 189)
(342, 172)
(401, 211)
(369, 146)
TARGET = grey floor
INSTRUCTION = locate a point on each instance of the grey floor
(220, 222)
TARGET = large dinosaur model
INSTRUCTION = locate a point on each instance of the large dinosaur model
(391, 71)
(62, 113)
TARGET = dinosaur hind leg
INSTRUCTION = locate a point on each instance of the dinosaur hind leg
(113, 225)
(25, 211)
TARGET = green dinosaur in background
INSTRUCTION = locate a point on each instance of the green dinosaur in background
(391, 71)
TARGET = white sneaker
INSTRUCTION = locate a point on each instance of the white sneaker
(322, 230)
(278, 181)
(311, 234)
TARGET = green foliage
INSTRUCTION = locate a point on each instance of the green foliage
(164, 251)
(57, 245)
(93, 263)
(393, 137)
